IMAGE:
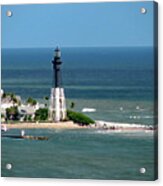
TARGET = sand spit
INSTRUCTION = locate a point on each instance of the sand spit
(59, 125)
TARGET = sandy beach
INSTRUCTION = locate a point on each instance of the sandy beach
(60, 125)
(110, 126)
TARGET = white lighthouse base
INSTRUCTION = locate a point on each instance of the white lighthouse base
(57, 108)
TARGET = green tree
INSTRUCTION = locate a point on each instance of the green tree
(2, 115)
(31, 101)
(72, 105)
(14, 100)
(41, 114)
(28, 118)
(46, 98)
(12, 113)
(10, 94)
(12, 97)
(4, 95)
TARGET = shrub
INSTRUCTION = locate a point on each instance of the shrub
(41, 114)
(79, 118)
(28, 118)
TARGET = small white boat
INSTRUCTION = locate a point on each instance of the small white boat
(22, 133)
(3, 128)
(88, 110)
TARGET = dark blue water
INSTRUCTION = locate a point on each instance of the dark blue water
(102, 78)
(116, 73)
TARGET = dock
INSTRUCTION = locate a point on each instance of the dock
(26, 137)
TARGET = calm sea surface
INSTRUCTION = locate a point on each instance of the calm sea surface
(89, 154)
(107, 79)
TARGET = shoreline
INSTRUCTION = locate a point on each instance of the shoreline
(99, 125)
(124, 126)
(59, 125)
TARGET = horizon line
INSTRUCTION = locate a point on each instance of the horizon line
(116, 46)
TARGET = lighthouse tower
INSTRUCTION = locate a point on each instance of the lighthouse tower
(57, 108)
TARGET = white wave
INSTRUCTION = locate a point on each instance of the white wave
(147, 117)
(139, 117)
(134, 117)
(121, 108)
(107, 131)
(119, 126)
(88, 110)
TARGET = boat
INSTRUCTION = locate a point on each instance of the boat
(3, 128)
(88, 110)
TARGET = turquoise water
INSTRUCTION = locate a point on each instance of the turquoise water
(106, 79)
(84, 153)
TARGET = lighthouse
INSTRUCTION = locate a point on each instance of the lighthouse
(57, 108)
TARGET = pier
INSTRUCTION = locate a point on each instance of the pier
(26, 137)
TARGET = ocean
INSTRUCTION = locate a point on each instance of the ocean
(118, 82)
(80, 154)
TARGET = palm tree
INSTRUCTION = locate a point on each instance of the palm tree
(46, 98)
(14, 100)
(72, 105)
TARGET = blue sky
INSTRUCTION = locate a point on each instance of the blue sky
(78, 25)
